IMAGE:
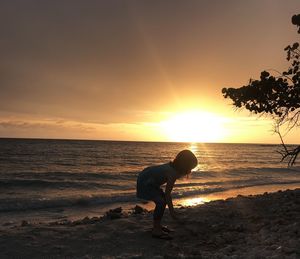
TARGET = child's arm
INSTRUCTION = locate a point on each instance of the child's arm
(169, 187)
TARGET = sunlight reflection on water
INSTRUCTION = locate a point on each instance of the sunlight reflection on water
(193, 201)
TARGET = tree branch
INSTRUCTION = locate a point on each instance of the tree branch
(291, 154)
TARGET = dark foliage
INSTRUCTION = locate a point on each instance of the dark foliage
(276, 95)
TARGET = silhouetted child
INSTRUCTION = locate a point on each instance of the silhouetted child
(151, 179)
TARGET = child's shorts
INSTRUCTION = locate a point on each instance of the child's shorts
(149, 192)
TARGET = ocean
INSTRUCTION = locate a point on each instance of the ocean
(47, 180)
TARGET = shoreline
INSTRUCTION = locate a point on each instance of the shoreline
(232, 193)
(255, 226)
(79, 212)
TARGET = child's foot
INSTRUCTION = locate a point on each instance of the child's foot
(166, 229)
(162, 235)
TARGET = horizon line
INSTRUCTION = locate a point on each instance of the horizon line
(142, 141)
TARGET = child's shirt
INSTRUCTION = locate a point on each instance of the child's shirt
(157, 175)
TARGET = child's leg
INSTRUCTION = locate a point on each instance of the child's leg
(160, 205)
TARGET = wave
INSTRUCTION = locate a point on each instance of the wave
(17, 204)
(71, 175)
(36, 183)
(129, 175)
(22, 204)
(228, 188)
(248, 171)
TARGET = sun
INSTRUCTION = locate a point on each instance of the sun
(194, 126)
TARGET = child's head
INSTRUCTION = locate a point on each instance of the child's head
(184, 162)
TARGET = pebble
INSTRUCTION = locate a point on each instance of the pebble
(114, 213)
(24, 223)
(139, 210)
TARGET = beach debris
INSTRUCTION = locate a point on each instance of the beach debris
(65, 222)
(24, 223)
(139, 210)
(86, 220)
(114, 213)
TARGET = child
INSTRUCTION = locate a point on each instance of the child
(150, 180)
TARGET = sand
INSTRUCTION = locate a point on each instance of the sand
(260, 226)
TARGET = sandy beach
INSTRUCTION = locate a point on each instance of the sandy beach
(255, 226)
(113, 111)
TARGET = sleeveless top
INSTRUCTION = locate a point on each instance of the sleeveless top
(156, 175)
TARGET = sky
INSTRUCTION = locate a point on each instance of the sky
(138, 70)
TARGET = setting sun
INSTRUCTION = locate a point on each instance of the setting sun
(194, 126)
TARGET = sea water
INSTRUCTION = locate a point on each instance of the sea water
(56, 179)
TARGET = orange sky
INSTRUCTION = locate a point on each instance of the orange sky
(134, 70)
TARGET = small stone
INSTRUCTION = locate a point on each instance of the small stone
(24, 223)
(117, 210)
(114, 213)
(75, 223)
(273, 247)
(94, 219)
(85, 220)
(239, 228)
(138, 210)
(64, 222)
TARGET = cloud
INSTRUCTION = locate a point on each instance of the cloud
(52, 128)
(60, 124)
(44, 128)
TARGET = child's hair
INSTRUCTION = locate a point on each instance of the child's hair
(185, 161)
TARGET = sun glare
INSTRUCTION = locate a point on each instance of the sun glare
(194, 126)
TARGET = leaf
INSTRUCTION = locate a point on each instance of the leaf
(296, 19)
(295, 45)
(265, 74)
